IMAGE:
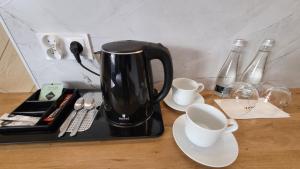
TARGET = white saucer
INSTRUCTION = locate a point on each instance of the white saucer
(223, 153)
(170, 102)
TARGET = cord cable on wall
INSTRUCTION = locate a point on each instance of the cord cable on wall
(76, 48)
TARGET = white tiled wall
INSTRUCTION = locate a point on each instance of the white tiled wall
(198, 33)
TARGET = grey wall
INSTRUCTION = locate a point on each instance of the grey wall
(197, 32)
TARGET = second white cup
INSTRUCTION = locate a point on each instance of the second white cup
(205, 124)
(185, 90)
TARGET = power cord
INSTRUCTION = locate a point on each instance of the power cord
(76, 48)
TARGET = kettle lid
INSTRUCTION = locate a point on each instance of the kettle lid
(124, 47)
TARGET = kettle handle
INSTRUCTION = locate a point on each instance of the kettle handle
(158, 51)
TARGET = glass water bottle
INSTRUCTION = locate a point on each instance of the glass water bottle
(254, 72)
(228, 72)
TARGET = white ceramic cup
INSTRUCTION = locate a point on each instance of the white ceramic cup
(205, 124)
(185, 90)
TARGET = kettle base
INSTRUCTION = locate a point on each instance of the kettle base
(146, 116)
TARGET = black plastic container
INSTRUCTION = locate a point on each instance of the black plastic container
(33, 107)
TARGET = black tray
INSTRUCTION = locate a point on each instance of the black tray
(101, 129)
(33, 107)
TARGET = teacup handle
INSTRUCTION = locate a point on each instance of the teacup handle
(200, 87)
(232, 126)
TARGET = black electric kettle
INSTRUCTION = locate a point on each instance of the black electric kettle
(127, 82)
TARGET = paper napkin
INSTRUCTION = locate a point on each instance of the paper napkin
(261, 110)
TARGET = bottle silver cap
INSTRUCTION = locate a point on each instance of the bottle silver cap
(268, 42)
(239, 42)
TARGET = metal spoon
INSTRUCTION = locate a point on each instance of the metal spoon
(89, 104)
(77, 106)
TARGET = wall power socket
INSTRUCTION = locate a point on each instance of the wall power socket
(56, 45)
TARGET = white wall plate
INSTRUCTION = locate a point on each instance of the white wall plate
(57, 45)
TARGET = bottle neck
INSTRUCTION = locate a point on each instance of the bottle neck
(265, 48)
(236, 48)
